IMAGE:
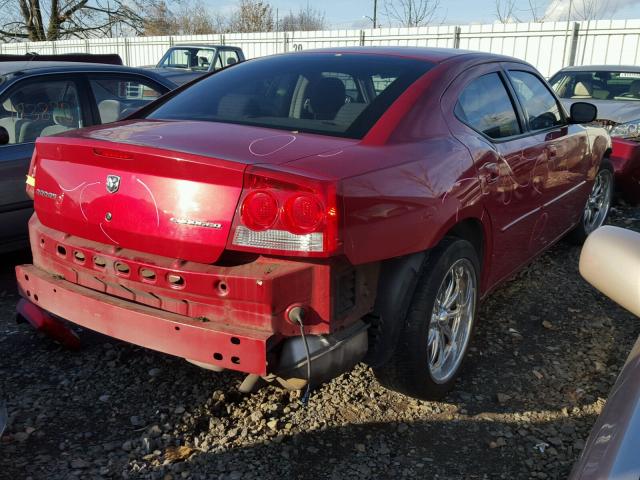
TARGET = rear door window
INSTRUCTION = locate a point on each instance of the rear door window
(540, 106)
(40, 108)
(485, 106)
(203, 59)
(228, 57)
(119, 96)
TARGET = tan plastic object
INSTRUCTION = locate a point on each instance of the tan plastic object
(610, 261)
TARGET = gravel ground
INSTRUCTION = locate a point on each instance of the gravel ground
(545, 355)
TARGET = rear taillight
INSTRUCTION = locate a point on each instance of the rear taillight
(282, 213)
(31, 177)
(303, 213)
(259, 210)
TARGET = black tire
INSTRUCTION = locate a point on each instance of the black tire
(579, 234)
(408, 369)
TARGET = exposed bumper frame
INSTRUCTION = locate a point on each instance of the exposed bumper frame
(210, 342)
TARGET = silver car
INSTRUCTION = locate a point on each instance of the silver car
(615, 90)
(610, 261)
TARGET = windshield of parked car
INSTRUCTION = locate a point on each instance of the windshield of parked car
(597, 85)
(198, 59)
(332, 94)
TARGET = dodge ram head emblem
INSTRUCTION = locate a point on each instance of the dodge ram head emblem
(113, 183)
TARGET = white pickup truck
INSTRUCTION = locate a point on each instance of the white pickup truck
(183, 63)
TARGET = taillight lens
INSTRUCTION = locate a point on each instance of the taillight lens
(283, 213)
(259, 210)
(303, 213)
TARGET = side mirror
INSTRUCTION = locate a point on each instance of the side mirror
(610, 261)
(4, 136)
(583, 112)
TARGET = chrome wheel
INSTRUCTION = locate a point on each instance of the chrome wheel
(451, 320)
(599, 202)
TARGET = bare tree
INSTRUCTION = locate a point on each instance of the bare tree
(39, 20)
(581, 10)
(536, 11)
(252, 16)
(505, 11)
(411, 13)
(160, 21)
(593, 9)
(306, 19)
(187, 17)
(193, 18)
(220, 23)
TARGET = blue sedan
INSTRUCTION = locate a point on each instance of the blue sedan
(39, 98)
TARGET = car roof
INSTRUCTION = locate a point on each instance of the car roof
(600, 68)
(191, 45)
(37, 68)
(30, 66)
(428, 54)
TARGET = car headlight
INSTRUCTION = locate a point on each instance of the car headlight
(626, 130)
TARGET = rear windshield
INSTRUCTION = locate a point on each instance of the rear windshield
(598, 85)
(331, 94)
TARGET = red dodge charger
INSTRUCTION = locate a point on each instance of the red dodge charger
(293, 215)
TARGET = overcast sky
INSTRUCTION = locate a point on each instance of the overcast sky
(350, 13)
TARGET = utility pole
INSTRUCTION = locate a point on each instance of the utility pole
(566, 34)
(375, 13)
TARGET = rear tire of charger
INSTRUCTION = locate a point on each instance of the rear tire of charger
(438, 326)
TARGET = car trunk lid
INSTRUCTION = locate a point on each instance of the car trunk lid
(166, 188)
(239, 143)
(138, 198)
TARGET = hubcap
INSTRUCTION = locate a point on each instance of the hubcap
(451, 321)
(597, 207)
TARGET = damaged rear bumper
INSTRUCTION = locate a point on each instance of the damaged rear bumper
(206, 342)
(244, 326)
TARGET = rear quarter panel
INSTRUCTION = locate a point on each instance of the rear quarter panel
(407, 207)
(402, 198)
(409, 181)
